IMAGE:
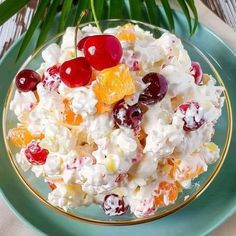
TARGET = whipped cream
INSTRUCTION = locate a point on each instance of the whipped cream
(22, 104)
(98, 126)
(97, 157)
(83, 99)
(49, 108)
(69, 196)
(51, 54)
(22, 160)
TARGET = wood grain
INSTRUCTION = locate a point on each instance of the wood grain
(225, 9)
(14, 27)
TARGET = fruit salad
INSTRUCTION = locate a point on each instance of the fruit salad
(122, 119)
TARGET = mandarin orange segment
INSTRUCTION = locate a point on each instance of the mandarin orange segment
(192, 174)
(102, 108)
(159, 200)
(109, 90)
(166, 190)
(69, 116)
(127, 79)
(183, 174)
(20, 136)
(127, 33)
(174, 166)
(167, 167)
(113, 84)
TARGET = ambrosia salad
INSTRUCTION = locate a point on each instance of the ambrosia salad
(124, 122)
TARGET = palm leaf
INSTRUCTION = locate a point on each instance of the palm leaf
(186, 13)
(65, 14)
(105, 10)
(33, 25)
(194, 11)
(135, 7)
(47, 22)
(169, 14)
(153, 15)
(83, 4)
(115, 9)
(99, 6)
(143, 10)
(9, 8)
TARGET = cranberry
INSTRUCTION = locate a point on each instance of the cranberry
(191, 117)
(76, 72)
(52, 186)
(196, 71)
(35, 154)
(156, 90)
(51, 78)
(102, 51)
(136, 66)
(127, 116)
(113, 205)
(80, 44)
(27, 80)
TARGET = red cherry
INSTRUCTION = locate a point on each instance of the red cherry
(80, 44)
(190, 111)
(113, 205)
(51, 78)
(196, 71)
(76, 72)
(35, 154)
(156, 89)
(102, 51)
(27, 80)
(127, 116)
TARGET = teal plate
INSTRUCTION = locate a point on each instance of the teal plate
(203, 215)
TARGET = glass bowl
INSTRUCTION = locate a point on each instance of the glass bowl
(94, 213)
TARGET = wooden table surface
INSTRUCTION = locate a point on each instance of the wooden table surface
(11, 30)
(14, 27)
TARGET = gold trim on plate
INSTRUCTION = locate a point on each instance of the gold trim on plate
(197, 193)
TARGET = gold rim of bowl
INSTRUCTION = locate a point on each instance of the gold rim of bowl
(134, 221)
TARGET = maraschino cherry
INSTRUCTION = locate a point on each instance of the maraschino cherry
(51, 78)
(76, 72)
(191, 117)
(196, 71)
(114, 205)
(127, 116)
(156, 90)
(80, 44)
(35, 154)
(102, 51)
(27, 80)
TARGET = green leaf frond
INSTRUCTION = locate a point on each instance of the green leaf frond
(70, 11)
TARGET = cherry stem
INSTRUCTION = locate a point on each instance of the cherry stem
(94, 15)
(83, 13)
